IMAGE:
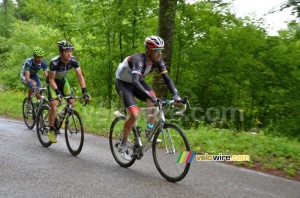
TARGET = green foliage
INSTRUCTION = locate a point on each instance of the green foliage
(7, 17)
(12, 108)
(267, 152)
(218, 60)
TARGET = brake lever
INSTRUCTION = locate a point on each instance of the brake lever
(84, 101)
(181, 112)
(184, 102)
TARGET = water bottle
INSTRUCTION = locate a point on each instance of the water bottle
(148, 129)
(149, 126)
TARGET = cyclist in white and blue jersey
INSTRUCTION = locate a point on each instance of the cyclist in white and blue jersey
(130, 83)
(29, 73)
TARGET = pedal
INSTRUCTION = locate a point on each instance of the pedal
(57, 132)
(137, 154)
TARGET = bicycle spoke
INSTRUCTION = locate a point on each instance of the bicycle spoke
(74, 133)
(28, 114)
(115, 135)
(42, 126)
(166, 153)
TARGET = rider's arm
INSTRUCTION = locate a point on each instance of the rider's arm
(27, 70)
(45, 69)
(81, 79)
(169, 82)
(51, 80)
(164, 72)
(27, 76)
(136, 78)
(46, 73)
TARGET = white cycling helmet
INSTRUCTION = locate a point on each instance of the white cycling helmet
(154, 42)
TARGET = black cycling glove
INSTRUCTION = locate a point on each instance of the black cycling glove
(85, 94)
(153, 99)
(58, 93)
(177, 98)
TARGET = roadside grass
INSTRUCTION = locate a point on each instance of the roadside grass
(267, 153)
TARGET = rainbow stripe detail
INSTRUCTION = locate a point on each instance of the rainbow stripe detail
(185, 157)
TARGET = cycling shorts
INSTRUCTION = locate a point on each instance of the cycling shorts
(63, 86)
(34, 77)
(127, 93)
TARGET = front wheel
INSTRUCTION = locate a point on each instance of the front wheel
(167, 154)
(42, 125)
(115, 135)
(45, 103)
(74, 133)
(28, 113)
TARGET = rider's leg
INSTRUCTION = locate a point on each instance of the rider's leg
(30, 90)
(29, 94)
(133, 114)
(151, 119)
(53, 107)
(36, 83)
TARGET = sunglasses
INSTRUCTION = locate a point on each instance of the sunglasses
(157, 50)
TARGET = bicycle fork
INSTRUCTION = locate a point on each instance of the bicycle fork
(165, 132)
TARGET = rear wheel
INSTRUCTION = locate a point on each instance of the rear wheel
(28, 113)
(74, 133)
(115, 135)
(167, 154)
(42, 125)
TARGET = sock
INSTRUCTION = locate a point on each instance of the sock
(124, 142)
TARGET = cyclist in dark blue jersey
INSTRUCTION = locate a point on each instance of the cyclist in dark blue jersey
(58, 69)
(29, 73)
(130, 83)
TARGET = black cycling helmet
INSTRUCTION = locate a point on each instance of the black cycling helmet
(62, 45)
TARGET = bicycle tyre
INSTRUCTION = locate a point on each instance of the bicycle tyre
(74, 132)
(29, 118)
(166, 163)
(115, 134)
(42, 126)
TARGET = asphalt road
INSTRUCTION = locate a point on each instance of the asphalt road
(30, 170)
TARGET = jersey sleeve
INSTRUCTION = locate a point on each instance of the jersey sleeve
(75, 63)
(136, 63)
(162, 67)
(52, 67)
(44, 66)
(27, 65)
(164, 72)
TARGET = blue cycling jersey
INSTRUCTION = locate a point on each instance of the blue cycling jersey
(32, 67)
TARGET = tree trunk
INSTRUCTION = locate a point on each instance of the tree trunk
(167, 13)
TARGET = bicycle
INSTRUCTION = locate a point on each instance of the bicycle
(166, 153)
(30, 112)
(74, 130)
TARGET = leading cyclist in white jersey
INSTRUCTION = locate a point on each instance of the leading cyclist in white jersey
(130, 83)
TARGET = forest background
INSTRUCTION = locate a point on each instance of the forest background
(235, 75)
